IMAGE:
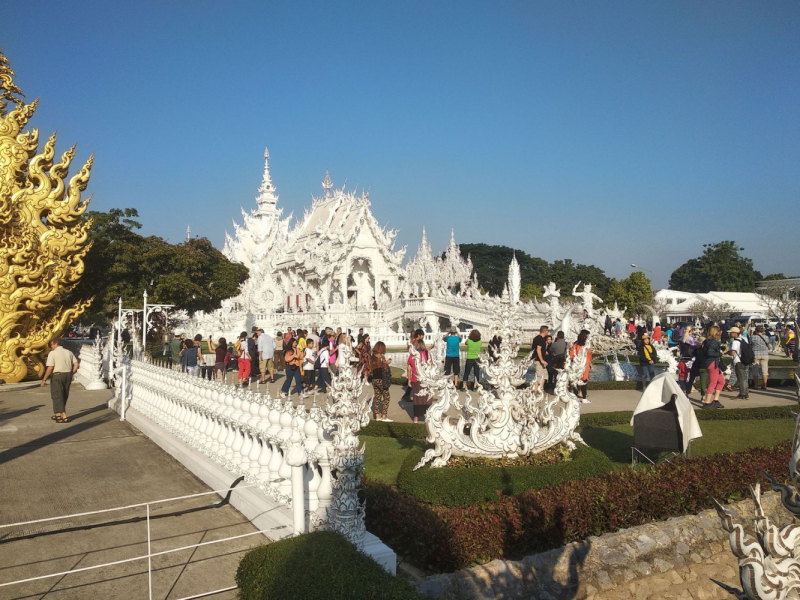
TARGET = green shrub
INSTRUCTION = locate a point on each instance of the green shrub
(318, 566)
(464, 486)
(444, 539)
(612, 385)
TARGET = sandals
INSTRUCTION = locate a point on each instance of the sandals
(60, 420)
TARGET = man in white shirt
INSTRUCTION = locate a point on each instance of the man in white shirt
(741, 370)
(61, 366)
(266, 356)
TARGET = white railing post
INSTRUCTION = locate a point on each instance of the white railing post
(297, 457)
(123, 390)
(149, 558)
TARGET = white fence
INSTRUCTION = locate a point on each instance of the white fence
(304, 466)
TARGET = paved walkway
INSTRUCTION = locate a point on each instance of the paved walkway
(97, 462)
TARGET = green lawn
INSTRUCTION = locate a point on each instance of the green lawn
(718, 436)
(384, 455)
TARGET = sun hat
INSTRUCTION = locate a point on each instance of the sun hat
(734, 330)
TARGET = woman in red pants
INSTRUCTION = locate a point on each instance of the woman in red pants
(711, 357)
(244, 359)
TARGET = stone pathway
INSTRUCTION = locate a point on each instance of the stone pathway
(97, 462)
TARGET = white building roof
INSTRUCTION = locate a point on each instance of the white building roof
(744, 303)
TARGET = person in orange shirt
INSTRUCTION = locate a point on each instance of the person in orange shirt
(574, 351)
(657, 332)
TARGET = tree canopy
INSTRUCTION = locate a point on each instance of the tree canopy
(635, 293)
(192, 275)
(720, 268)
(491, 266)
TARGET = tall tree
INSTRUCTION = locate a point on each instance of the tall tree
(634, 292)
(721, 268)
(122, 264)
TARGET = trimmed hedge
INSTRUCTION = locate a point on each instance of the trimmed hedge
(444, 539)
(623, 417)
(318, 566)
(612, 385)
(465, 486)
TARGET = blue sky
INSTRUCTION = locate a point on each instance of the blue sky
(606, 132)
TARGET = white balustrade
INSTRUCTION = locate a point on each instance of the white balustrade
(249, 434)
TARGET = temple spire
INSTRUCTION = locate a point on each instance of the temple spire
(267, 199)
(188, 232)
(327, 184)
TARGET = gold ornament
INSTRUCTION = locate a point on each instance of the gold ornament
(42, 237)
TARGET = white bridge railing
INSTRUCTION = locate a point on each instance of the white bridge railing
(306, 464)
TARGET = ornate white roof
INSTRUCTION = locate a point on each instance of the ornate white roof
(329, 229)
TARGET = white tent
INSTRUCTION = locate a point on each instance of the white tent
(659, 393)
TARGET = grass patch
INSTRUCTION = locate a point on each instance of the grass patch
(385, 455)
(459, 486)
(390, 460)
(718, 436)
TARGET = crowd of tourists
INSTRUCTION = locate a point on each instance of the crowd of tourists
(702, 348)
(308, 357)
(550, 355)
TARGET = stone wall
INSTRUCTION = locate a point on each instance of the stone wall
(663, 560)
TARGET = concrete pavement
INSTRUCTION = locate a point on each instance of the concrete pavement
(97, 462)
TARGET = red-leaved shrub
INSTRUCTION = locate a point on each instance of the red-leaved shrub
(443, 539)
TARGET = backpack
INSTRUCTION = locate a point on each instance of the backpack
(746, 354)
(676, 336)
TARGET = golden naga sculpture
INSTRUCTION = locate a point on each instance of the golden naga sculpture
(42, 237)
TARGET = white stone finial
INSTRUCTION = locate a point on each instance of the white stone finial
(327, 184)
(267, 199)
(514, 279)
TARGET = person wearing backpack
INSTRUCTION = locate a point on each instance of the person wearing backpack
(742, 357)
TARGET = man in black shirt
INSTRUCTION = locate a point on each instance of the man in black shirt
(539, 349)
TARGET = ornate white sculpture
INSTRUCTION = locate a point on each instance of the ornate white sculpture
(345, 416)
(587, 297)
(503, 420)
(769, 566)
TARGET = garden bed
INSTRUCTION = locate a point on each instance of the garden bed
(440, 538)
(445, 519)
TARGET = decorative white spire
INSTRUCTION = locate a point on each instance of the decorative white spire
(267, 199)
(327, 184)
(188, 233)
(514, 279)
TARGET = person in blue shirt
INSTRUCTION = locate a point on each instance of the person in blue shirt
(451, 359)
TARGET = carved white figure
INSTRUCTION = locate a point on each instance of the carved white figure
(503, 421)
(769, 567)
(553, 294)
(587, 297)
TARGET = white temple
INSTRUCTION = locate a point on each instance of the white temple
(338, 267)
